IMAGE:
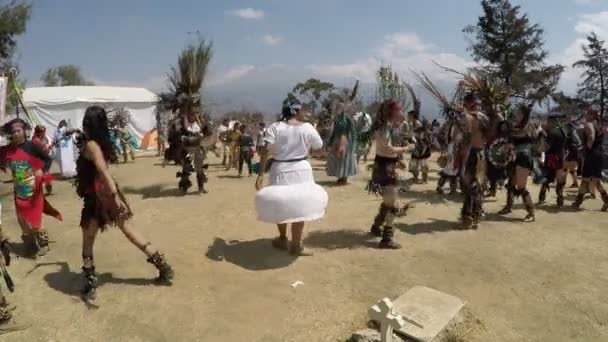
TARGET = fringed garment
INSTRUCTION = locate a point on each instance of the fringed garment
(98, 201)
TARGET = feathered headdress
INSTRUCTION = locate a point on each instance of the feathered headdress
(186, 80)
(119, 117)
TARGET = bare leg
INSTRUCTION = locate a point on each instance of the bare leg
(592, 187)
(281, 241)
(89, 234)
(297, 228)
(603, 193)
(582, 191)
(521, 182)
(296, 233)
(560, 178)
(425, 170)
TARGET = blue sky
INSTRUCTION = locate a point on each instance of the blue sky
(261, 48)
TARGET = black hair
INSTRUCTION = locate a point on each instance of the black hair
(262, 124)
(470, 97)
(62, 123)
(7, 128)
(288, 112)
(95, 127)
(243, 127)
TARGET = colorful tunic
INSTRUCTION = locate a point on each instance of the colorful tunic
(346, 165)
(25, 161)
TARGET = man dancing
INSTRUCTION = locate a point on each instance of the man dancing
(554, 166)
(522, 138)
(474, 122)
(421, 153)
(453, 157)
(593, 160)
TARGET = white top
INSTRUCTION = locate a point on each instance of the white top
(194, 128)
(287, 142)
(222, 129)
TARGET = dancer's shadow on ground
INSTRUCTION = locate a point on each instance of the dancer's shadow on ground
(429, 197)
(432, 226)
(157, 191)
(331, 184)
(232, 177)
(255, 255)
(70, 283)
(553, 209)
(340, 239)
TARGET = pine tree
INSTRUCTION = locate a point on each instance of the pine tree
(511, 48)
(593, 89)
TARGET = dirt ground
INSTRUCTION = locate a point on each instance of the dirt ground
(545, 281)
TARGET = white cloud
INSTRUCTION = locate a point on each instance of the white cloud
(404, 51)
(248, 13)
(272, 40)
(597, 22)
(232, 75)
(585, 24)
(403, 42)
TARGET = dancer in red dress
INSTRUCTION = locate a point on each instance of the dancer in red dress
(28, 164)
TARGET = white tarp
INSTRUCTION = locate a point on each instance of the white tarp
(49, 105)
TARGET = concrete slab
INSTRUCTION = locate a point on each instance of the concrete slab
(426, 312)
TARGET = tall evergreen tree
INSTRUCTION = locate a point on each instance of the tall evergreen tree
(511, 48)
(593, 89)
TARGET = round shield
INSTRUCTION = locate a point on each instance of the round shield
(501, 153)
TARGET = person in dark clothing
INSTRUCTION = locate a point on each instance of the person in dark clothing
(593, 160)
(554, 167)
(246, 150)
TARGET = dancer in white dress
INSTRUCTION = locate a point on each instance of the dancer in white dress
(65, 154)
(293, 197)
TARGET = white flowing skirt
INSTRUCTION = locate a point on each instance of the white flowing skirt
(292, 196)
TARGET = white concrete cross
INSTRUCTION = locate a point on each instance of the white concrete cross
(383, 313)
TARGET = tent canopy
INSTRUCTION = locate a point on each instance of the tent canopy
(55, 96)
(49, 105)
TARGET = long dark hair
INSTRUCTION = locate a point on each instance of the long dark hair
(95, 127)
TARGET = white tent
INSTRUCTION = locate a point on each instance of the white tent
(49, 105)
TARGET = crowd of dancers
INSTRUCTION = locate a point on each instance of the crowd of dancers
(477, 155)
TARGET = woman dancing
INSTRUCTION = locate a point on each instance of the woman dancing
(104, 203)
(522, 137)
(384, 175)
(293, 197)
